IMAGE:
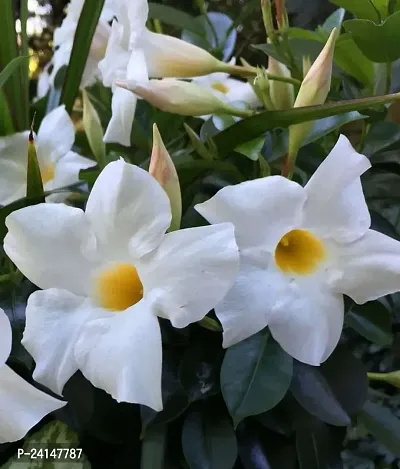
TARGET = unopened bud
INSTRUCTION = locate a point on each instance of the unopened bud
(163, 170)
(282, 94)
(181, 97)
(392, 378)
(168, 56)
(313, 91)
(262, 87)
(266, 10)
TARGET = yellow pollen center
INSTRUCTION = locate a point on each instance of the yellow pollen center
(220, 87)
(47, 173)
(299, 252)
(118, 287)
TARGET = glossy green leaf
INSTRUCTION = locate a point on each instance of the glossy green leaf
(93, 130)
(82, 41)
(377, 42)
(363, 8)
(321, 128)
(34, 184)
(208, 441)
(335, 20)
(255, 376)
(11, 68)
(250, 128)
(252, 148)
(320, 446)
(351, 60)
(175, 17)
(312, 391)
(153, 448)
(382, 424)
(373, 321)
(380, 137)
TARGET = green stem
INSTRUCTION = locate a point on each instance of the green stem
(388, 77)
(234, 111)
(250, 71)
(365, 130)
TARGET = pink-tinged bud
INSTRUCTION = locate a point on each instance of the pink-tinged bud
(163, 170)
(180, 97)
(282, 94)
(306, 64)
(168, 56)
(313, 91)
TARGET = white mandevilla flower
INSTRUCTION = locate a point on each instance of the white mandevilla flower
(301, 250)
(63, 42)
(21, 405)
(227, 89)
(134, 54)
(59, 165)
(107, 274)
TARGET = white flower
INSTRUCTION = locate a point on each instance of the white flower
(107, 274)
(59, 165)
(227, 89)
(64, 40)
(301, 250)
(21, 405)
(134, 54)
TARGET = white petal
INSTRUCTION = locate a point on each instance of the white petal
(368, 268)
(262, 210)
(56, 136)
(5, 337)
(21, 405)
(66, 173)
(247, 307)
(190, 272)
(122, 354)
(137, 68)
(307, 320)
(127, 206)
(45, 242)
(54, 320)
(336, 205)
(13, 166)
(123, 108)
(241, 91)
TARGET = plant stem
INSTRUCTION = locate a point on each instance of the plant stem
(252, 71)
(388, 77)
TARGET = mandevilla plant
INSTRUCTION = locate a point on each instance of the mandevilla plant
(200, 237)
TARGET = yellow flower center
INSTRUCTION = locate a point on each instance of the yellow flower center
(118, 287)
(299, 252)
(218, 86)
(47, 173)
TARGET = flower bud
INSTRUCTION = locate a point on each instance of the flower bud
(282, 94)
(392, 378)
(313, 91)
(262, 88)
(168, 56)
(180, 97)
(266, 10)
(306, 64)
(163, 170)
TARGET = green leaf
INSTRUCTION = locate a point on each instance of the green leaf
(6, 124)
(93, 130)
(34, 184)
(208, 441)
(11, 68)
(54, 435)
(175, 17)
(197, 144)
(87, 24)
(252, 127)
(373, 321)
(382, 424)
(320, 446)
(380, 137)
(351, 60)
(8, 52)
(153, 448)
(360, 8)
(255, 376)
(335, 20)
(312, 391)
(252, 148)
(321, 128)
(377, 42)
